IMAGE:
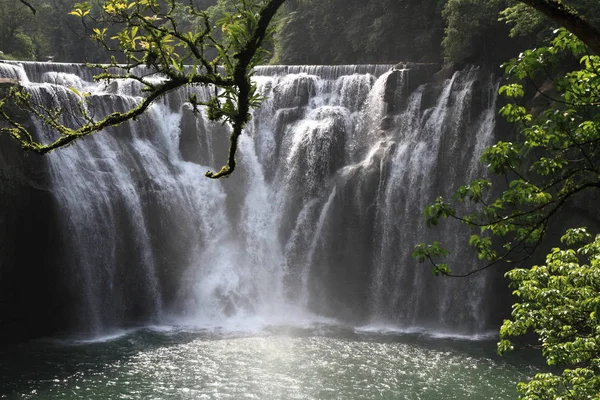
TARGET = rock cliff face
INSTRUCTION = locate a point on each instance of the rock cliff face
(122, 228)
(30, 299)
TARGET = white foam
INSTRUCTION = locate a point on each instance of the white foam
(423, 331)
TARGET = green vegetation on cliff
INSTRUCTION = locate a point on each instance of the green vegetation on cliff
(50, 33)
(550, 168)
(495, 30)
(359, 31)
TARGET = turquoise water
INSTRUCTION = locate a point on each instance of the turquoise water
(318, 362)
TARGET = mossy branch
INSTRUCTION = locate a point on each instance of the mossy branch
(146, 40)
(241, 76)
(68, 135)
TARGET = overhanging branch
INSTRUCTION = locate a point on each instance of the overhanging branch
(570, 19)
(143, 43)
(241, 76)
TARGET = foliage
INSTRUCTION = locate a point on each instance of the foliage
(555, 159)
(523, 19)
(560, 302)
(25, 48)
(352, 31)
(7, 57)
(476, 30)
(552, 164)
(52, 32)
(467, 23)
(334, 31)
(14, 18)
(526, 20)
(149, 39)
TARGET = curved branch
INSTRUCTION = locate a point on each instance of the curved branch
(21, 134)
(28, 6)
(241, 76)
(239, 87)
(569, 18)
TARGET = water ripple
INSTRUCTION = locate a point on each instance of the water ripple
(298, 364)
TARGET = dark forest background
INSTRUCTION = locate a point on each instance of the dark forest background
(318, 31)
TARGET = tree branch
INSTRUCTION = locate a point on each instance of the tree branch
(146, 42)
(569, 18)
(241, 76)
(28, 5)
(20, 133)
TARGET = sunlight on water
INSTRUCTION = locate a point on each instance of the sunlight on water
(322, 362)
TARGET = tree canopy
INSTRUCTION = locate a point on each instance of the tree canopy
(569, 18)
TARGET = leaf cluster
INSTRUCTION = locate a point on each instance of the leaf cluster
(555, 157)
(476, 29)
(560, 302)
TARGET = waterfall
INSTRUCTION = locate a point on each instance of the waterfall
(319, 220)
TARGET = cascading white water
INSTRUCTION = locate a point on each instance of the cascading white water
(433, 155)
(319, 219)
